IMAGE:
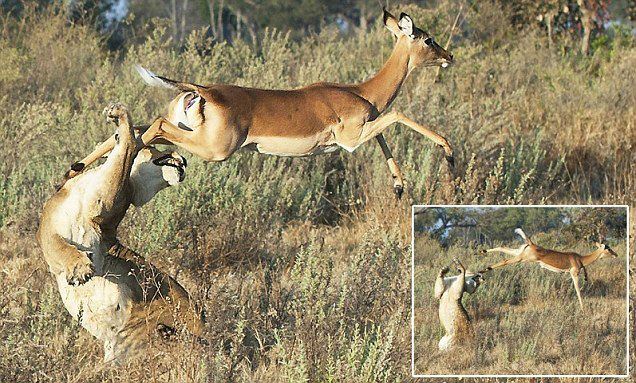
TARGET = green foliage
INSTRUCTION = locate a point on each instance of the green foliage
(487, 225)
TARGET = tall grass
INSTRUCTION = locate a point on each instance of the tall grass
(301, 264)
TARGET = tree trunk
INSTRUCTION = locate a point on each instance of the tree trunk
(549, 18)
(588, 24)
(238, 24)
(363, 18)
(173, 17)
(252, 31)
(212, 18)
(184, 11)
(219, 22)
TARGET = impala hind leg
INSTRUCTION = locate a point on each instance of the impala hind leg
(505, 262)
(398, 181)
(100, 151)
(376, 127)
(210, 146)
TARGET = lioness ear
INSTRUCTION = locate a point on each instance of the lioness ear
(391, 23)
(406, 24)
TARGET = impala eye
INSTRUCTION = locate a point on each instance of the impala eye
(428, 41)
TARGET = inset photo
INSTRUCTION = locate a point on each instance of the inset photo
(520, 291)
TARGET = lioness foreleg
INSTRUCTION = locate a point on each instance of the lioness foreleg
(73, 262)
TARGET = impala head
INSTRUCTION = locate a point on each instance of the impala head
(606, 252)
(423, 50)
(154, 170)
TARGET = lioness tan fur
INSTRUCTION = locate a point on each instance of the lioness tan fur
(452, 314)
(115, 294)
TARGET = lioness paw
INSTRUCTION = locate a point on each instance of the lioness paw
(115, 111)
(80, 272)
(165, 331)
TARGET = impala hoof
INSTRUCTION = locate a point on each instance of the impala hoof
(398, 190)
(78, 167)
(451, 161)
(75, 169)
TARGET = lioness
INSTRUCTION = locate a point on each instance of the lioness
(452, 314)
(114, 293)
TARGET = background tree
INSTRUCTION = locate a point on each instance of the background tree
(479, 226)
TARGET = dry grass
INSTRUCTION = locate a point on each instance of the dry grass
(302, 265)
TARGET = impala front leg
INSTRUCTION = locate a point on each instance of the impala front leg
(398, 182)
(375, 127)
(575, 278)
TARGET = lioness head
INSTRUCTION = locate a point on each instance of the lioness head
(154, 170)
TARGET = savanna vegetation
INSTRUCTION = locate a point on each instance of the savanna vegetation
(303, 265)
(527, 320)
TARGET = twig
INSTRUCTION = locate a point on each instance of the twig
(450, 36)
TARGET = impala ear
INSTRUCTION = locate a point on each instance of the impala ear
(391, 23)
(406, 24)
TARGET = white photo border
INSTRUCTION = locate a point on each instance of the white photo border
(627, 332)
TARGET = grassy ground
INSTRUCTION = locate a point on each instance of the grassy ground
(527, 320)
(302, 265)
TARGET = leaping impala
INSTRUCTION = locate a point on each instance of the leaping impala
(214, 121)
(560, 262)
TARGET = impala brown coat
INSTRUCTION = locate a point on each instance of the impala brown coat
(214, 121)
(557, 261)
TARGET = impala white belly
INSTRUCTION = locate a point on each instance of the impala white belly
(291, 146)
(552, 268)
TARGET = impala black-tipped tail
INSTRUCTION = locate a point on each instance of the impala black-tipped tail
(155, 80)
(523, 235)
